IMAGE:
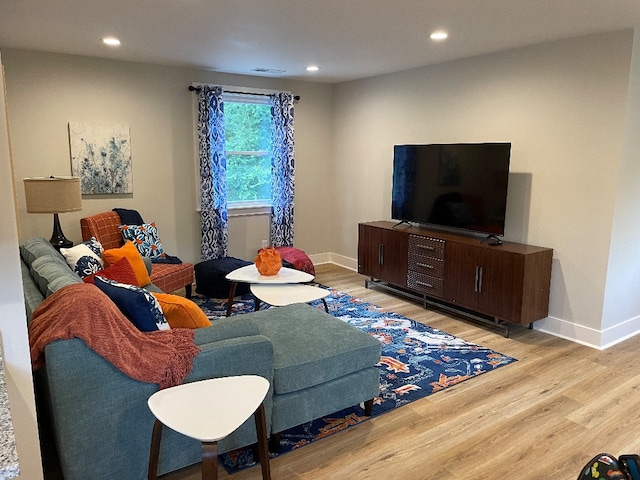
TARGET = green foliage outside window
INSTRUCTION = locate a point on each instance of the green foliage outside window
(248, 143)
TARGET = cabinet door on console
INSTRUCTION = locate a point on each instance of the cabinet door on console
(483, 280)
(382, 254)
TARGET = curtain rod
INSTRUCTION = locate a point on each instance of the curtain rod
(197, 89)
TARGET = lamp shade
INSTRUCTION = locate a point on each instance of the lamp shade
(53, 194)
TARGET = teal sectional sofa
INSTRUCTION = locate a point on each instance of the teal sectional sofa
(100, 421)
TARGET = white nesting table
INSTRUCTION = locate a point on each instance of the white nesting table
(281, 295)
(217, 407)
(250, 274)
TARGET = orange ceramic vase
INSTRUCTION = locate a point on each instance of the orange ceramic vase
(268, 261)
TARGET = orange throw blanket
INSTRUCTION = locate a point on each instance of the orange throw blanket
(83, 311)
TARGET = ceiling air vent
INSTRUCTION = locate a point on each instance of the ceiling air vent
(273, 71)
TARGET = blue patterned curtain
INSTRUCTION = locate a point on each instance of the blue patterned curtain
(282, 170)
(213, 176)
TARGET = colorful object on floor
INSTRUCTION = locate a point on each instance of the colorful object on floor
(603, 466)
(268, 261)
(416, 361)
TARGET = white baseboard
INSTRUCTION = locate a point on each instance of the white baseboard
(341, 260)
(598, 339)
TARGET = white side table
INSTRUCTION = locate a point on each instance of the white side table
(250, 274)
(218, 406)
(281, 295)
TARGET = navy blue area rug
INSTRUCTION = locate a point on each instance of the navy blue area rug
(416, 361)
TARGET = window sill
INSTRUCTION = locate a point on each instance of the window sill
(248, 209)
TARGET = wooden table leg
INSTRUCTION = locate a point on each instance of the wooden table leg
(232, 293)
(326, 307)
(156, 435)
(263, 449)
(209, 460)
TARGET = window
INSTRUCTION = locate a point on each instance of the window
(247, 124)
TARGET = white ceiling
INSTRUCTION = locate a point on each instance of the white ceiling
(347, 39)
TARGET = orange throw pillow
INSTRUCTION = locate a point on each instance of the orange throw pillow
(130, 252)
(181, 312)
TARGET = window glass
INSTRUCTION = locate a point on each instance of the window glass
(248, 146)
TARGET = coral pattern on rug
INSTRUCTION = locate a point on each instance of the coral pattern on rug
(416, 361)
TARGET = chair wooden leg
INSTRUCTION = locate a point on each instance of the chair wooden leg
(188, 291)
(209, 460)
(263, 449)
(156, 435)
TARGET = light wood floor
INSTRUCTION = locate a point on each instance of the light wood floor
(544, 416)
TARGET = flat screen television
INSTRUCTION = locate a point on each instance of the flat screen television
(457, 186)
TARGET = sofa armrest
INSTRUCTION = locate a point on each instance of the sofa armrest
(87, 394)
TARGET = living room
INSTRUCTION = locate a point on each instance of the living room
(569, 107)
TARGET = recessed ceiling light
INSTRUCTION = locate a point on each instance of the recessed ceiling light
(439, 35)
(313, 68)
(111, 41)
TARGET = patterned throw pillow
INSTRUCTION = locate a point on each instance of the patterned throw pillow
(138, 305)
(121, 272)
(84, 259)
(144, 237)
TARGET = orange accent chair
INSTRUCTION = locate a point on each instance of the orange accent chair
(166, 276)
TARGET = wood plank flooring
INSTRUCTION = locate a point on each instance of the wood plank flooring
(544, 416)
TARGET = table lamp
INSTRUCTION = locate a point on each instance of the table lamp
(54, 195)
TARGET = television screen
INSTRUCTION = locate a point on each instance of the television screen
(461, 185)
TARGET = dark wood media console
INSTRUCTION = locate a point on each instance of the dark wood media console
(492, 284)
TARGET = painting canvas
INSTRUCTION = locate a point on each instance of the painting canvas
(101, 157)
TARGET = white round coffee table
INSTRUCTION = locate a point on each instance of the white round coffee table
(281, 295)
(216, 407)
(250, 274)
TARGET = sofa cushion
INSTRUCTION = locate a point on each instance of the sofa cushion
(131, 253)
(139, 306)
(312, 347)
(85, 258)
(38, 247)
(181, 312)
(50, 274)
(144, 237)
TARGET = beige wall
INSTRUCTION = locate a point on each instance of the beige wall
(13, 322)
(47, 91)
(561, 104)
(622, 302)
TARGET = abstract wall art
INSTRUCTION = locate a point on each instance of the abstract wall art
(101, 157)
